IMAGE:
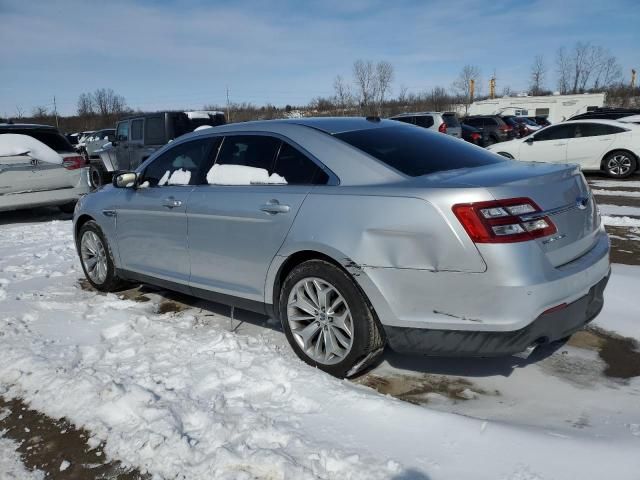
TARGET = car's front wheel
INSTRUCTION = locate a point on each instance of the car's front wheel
(619, 164)
(96, 258)
(327, 320)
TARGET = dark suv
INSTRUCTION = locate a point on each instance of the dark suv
(136, 138)
(493, 128)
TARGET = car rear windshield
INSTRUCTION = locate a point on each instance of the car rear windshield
(416, 151)
(50, 138)
(451, 120)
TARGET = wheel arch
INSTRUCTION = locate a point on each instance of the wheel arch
(82, 219)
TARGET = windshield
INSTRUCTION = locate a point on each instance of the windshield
(416, 151)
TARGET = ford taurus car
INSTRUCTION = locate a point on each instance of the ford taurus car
(357, 233)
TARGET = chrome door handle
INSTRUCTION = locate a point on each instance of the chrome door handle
(274, 207)
(172, 203)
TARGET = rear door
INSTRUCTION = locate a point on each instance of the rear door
(122, 146)
(136, 143)
(549, 145)
(238, 222)
(590, 143)
(151, 220)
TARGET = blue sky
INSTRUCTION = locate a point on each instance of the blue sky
(173, 54)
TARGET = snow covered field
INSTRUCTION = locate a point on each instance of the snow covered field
(189, 394)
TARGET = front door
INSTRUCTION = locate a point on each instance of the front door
(122, 146)
(239, 221)
(152, 221)
(549, 145)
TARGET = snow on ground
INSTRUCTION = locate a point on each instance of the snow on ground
(618, 210)
(180, 394)
(11, 466)
(615, 193)
(621, 312)
(613, 221)
(614, 183)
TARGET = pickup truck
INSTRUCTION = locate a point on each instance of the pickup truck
(136, 138)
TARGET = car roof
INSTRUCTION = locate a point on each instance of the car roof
(23, 126)
(330, 125)
(615, 123)
(414, 114)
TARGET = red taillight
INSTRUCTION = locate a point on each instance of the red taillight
(73, 163)
(505, 128)
(501, 221)
(442, 128)
(475, 136)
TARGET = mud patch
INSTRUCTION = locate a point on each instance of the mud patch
(136, 294)
(620, 354)
(625, 244)
(423, 389)
(169, 306)
(45, 443)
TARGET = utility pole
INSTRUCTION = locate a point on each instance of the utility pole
(228, 113)
(492, 88)
(633, 78)
(55, 111)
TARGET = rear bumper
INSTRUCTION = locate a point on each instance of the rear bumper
(60, 196)
(548, 327)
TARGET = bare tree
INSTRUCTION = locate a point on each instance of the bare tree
(85, 104)
(538, 72)
(462, 86)
(563, 69)
(607, 70)
(107, 102)
(507, 91)
(344, 97)
(40, 112)
(364, 77)
(440, 100)
(19, 111)
(383, 77)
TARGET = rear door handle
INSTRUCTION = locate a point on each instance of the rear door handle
(272, 207)
(171, 203)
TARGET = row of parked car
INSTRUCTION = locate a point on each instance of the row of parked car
(602, 141)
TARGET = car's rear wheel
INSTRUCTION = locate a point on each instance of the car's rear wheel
(619, 164)
(98, 175)
(327, 319)
(96, 258)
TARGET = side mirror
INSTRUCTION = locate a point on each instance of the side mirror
(125, 180)
(529, 140)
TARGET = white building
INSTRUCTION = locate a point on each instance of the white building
(555, 107)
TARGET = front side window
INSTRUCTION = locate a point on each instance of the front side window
(556, 132)
(136, 130)
(246, 160)
(297, 169)
(416, 152)
(122, 134)
(183, 164)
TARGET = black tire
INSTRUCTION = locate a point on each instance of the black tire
(623, 158)
(67, 207)
(367, 337)
(112, 282)
(506, 155)
(98, 175)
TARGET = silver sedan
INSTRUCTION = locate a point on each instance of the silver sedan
(357, 233)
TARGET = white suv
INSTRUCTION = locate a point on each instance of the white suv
(442, 122)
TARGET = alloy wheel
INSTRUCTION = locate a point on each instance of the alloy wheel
(320, 320)
(619, 165)
(94, 257)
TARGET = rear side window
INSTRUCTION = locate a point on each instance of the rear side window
(50, 138)
(474, 122)
(451, 120)
(597, 129)
(154, 131)
(416, 152)
(490, 122)
(297, 169)
(122, 134)
(424, 121)
(405, 119)
(136, 130)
